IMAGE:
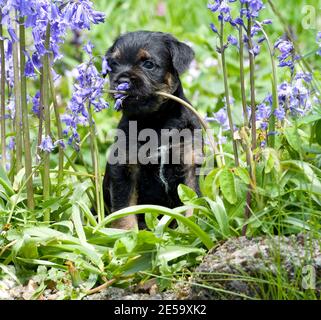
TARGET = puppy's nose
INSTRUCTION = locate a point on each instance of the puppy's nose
(123, 79)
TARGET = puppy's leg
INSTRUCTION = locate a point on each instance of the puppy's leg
(120, 182)
(191, 166)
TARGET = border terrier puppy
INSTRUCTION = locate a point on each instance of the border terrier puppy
(147, 62)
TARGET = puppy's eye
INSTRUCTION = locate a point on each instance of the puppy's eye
(113, 64)
(147, 64)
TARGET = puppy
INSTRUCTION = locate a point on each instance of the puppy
(148, 62)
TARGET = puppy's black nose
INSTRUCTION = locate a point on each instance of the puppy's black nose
(123, 79)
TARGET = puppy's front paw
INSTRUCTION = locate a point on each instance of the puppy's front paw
(126, 223)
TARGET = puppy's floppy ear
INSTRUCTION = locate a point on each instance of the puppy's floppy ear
(182, 54)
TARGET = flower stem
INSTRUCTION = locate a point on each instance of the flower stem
(95, 161)
(227, 94)
(46, 108)
(252, 85)
(275, 103)
(40, 128)
(17, 94)
(243, 93)
(3, 94)
(60, 136)
(25, 121)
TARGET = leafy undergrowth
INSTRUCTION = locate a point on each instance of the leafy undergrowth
(75, 253)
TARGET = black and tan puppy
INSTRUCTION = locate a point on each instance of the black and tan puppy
(149, 62)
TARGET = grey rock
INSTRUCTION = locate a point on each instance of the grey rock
(243, 268)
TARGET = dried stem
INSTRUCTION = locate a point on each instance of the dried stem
(199, 117)
(102, 287)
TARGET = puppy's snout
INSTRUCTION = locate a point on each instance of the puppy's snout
(125, 77)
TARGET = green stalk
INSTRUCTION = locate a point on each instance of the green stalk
(46, 107)
(246, 144)
(275, 103)
(252, 84)
(3, 101)
(17, 94)
(25, 121)
(227, 94)
(40, 128)
(243, 92)
(95, 161)
(60, 136)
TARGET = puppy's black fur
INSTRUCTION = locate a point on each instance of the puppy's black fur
(149, 61)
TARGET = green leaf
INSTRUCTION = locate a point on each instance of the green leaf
(220, 214)
(169, 253)
(175, 213)
(5, 182)
(271, 160)
(86, 211)
(293, 138)
(227, 185)
(318, 132)
(186, 194)
(209, 182)
(76, 218)
(243, 174)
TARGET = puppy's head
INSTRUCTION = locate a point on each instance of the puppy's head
(148, 62)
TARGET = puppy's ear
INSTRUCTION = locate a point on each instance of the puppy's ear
(182, 54)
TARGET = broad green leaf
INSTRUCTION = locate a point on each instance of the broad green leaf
(293, 138)
(209, 181)
(243, 174)
(186, 194)
(227, 185)
(271, 160)
(137, 264)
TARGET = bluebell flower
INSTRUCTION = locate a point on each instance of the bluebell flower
(80, 14)
(88, 47)
(88, 93)
(105, 68)
(36, 104)
(232, 40)
(263, 111)
(46, 144)
(287, 51)
(280, 113)
(214, 29)
(120, 96)
(12, 143)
